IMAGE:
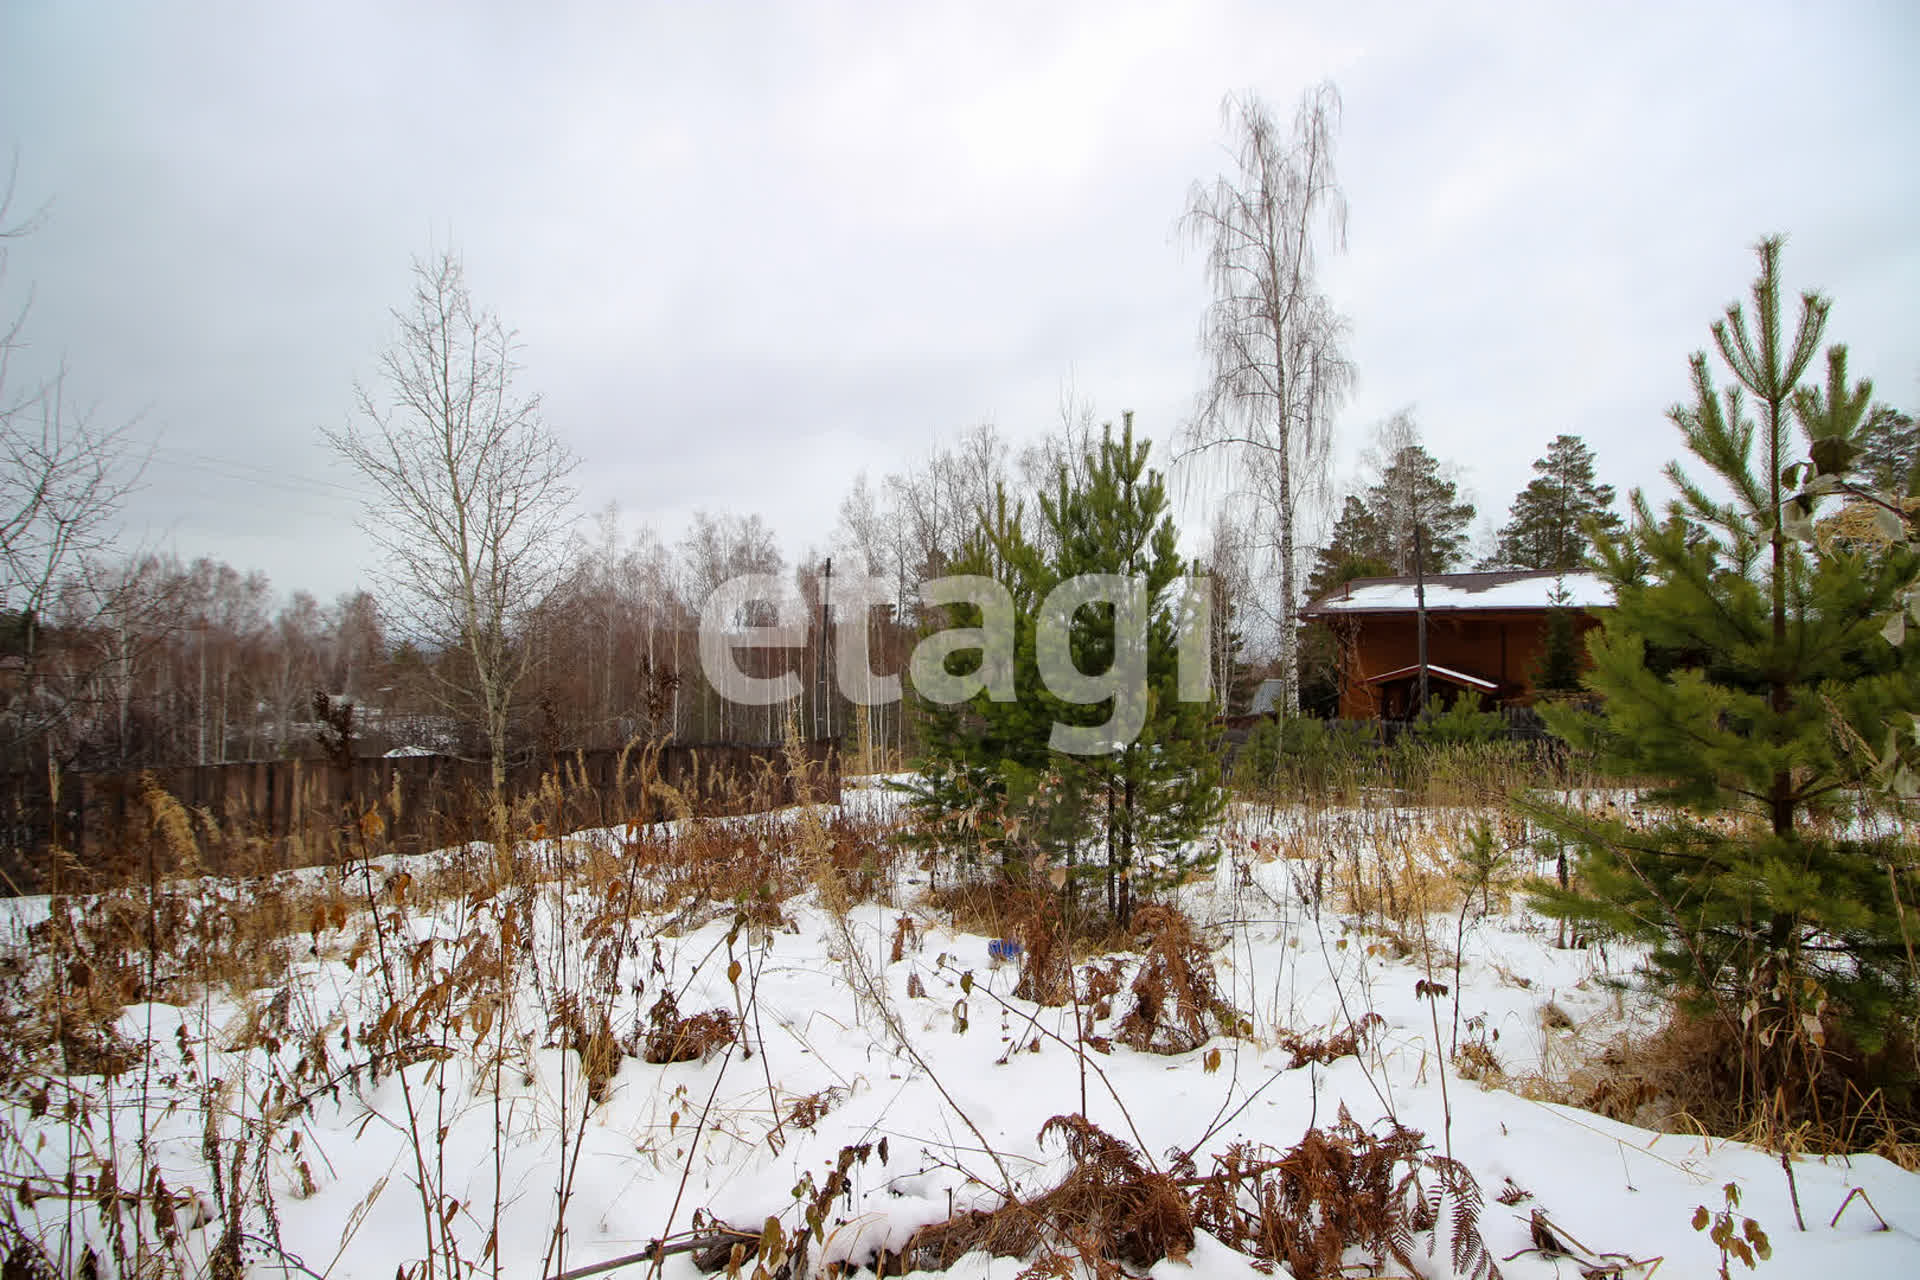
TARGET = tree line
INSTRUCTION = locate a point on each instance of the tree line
(500, 624)
(150, 660)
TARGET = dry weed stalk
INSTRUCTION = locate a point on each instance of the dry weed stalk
(1309, 1208)
(463, 957)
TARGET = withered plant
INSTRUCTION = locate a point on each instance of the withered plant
(1109, 1209)
(1176, 1005)
(1339, 1191)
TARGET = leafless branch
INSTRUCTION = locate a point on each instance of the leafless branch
(63, 480)
(1274, 342)
(472, 502)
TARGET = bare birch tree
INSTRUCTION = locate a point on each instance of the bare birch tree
(1277, 367)
(1229, 569)
(471, 496)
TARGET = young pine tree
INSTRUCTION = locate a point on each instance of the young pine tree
(1558, 671)
(985, 785)
(1161, 788)
(1357, 550)
(1770, 658)
(1136, 808)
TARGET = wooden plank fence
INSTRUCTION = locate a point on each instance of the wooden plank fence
(273, 814)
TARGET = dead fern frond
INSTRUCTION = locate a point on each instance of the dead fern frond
(1176, 1005)
(1342, 1044)
(1341, 1189)
(1046, 959)
(1108, 1210)
(672, 1038)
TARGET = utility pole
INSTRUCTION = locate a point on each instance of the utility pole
(1420, 608)
(826, 645)
(200, 709)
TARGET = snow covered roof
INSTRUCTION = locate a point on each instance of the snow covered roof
(1453, 592)
(1437, 671)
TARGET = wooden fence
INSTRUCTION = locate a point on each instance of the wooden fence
(280, 813)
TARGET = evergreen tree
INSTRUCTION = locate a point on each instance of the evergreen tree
(985, 785)
(1890, 452)
(1412, 493)
(1559, 667)
(1762, 917)
(16, 626)
(1356, 550)
(1161, 788)
(1138, 805)
(1546, 526)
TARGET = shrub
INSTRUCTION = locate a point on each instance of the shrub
(1462, 724)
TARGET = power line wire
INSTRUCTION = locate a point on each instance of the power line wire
(248, 473)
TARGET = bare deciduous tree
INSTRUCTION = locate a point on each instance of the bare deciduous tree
(115, 618)
(355, 643)
(611, 639)
(63, 478)
(472, 501)
(714, 550)
(1229, 569)
(936, 503)
(1277, 371)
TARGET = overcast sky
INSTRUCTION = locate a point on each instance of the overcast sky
(753, 250)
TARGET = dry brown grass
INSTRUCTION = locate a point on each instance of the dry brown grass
(453, 963)
(169, 932)
(1404, 877)
(1687, 1077)
(1459, 775)
(1038, 918)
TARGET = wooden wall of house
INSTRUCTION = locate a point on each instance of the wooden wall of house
(1504, 646)
(279, 813)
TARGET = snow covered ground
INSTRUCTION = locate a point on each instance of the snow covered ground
(930, 1054)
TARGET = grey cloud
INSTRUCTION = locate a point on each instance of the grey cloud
(751, 252)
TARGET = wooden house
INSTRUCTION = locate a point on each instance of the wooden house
(1486, 634)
